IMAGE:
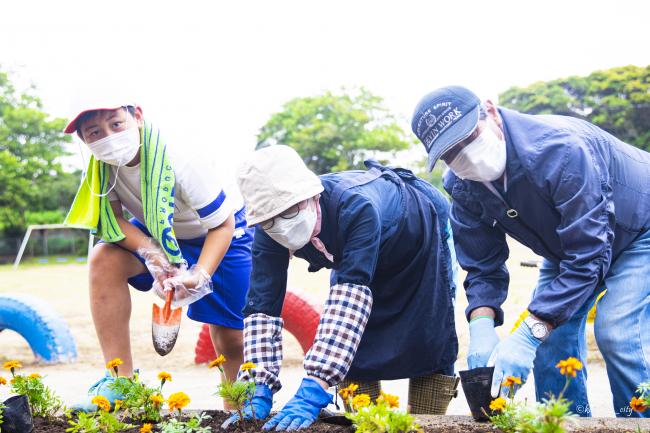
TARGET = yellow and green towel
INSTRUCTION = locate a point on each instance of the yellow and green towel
(92, 211)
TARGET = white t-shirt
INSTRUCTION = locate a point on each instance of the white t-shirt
(201, 199)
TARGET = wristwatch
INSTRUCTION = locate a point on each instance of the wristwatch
(537, 328)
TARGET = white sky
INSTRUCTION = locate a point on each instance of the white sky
(211, 73)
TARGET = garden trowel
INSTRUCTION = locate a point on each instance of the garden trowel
(165, 325)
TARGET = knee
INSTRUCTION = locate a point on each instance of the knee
(105, 261)
(229, 342)
(607, 336)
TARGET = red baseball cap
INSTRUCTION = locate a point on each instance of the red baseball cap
(93, 106)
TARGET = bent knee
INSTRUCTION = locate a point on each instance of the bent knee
(108, 260)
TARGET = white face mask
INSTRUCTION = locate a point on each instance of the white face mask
(483, 160)
(117, 149)
(294, 233)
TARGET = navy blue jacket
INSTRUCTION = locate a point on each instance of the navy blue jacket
(582, 197)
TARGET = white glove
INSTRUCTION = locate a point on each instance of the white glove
(156, 261)
(189, 286)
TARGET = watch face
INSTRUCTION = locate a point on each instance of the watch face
(539, 330)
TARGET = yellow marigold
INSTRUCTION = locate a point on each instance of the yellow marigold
(178, 401)
(118, 404)
(217, 362)
(390, 400)
(638, 404)
(113, 364)
(511, 381)
(163, 376)
(348, 391)
(157, 400)
(11, 365)
(35, 376)
(3, 381)
(498, 404)
(247, 366)
(569, 366)
(360, 400)
(146, 428)
(101, 402)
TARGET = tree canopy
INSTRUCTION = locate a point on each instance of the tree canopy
(31, 143)
(617, 100)
(335, 131)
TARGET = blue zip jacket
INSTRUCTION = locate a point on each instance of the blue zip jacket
(580, 196)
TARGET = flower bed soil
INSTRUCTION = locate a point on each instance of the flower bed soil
(430, 424)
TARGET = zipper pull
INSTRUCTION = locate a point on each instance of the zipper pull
(512, 213)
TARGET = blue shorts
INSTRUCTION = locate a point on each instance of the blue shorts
(230, 281)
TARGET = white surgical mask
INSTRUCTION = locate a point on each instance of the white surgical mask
(117, 149)
(294, 233)
(483, 160)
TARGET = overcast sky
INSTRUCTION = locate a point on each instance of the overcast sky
(211, 73)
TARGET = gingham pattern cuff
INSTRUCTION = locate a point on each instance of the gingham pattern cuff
(339, 332)
(263, 347)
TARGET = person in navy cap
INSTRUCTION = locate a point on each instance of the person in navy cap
(575, 195)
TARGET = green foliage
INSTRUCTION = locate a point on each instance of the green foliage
(42, 400)
(31, 144)
(236, 393)
(617, 100)
(96, 422)
(549, 416)
(379, 418)
(137, 402)
(335, 131)
(192, 425)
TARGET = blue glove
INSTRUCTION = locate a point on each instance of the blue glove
(262, 401)
(482, 341)
(303, 409)
(513, 356)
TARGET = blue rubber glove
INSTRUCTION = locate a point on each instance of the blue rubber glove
(303, 409)
(262, 401)
(513, 356)
(482, 341)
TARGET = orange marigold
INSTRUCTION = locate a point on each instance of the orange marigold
(390, 400)
(348, 391)
(511, 381)
(101, 402)
(498, 404)
(638, 404)
(3, 381)
(569, 367)
(360, 401)
(178, 401)
(146, 428)
(217, 362)
(157, 400)
(12, 365)
(247, 366)
(35, 376)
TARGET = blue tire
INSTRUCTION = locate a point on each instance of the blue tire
(37, 322)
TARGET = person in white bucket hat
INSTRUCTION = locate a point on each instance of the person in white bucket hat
(184, 216)
(389, 313)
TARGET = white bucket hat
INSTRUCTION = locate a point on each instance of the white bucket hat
(274, 179)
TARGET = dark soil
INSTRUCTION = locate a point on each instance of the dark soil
(446, 424)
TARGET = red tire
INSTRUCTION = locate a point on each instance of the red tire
(300, 320)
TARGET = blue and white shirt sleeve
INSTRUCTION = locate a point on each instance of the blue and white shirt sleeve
(201, 187)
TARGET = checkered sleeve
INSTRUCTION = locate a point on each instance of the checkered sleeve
(339, 332)
(263, 347)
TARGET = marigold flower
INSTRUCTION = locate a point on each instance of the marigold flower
(178, 401)
(217, 362)
(569, 367)
(146, 428)
(113, 364)
(35, 376)
(3, 381)
(246, 366)
(391, 400)
(117, 404)
(360, 401)
(101, 402)
(157, 400)
(498, 404)
(163, 376)
(348, 391)
(12, 365)
(511, 381)
(638, 404)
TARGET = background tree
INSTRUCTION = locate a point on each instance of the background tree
(335, 131)
(617, 100)
(31, 145)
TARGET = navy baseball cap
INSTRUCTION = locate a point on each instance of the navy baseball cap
(444, 117)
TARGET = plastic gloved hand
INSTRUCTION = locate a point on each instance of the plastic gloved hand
(262, 401)
(303, 409)
(189, 286)
(156, 261)
(513, 356)
(482, 340)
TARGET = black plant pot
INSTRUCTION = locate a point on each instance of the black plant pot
(477, 384)
(17, 416)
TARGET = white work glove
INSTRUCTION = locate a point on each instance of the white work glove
(189, 286)
(156, 261)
